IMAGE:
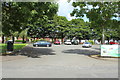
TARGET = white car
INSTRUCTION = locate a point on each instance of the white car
(68, 42)
(87, 44)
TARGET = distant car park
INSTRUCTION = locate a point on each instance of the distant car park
(42, 44)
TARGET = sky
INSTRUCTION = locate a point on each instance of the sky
(65, 9)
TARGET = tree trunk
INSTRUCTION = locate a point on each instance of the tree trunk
(108, 40)
(52, 39)
(79, 40)
(17, 37)
(13, 39)
(94, 41)
(34, 38)
(62, 38)
(103, 36)
(3, 40)
(23, 39)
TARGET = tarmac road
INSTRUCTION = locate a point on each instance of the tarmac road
(59, 61)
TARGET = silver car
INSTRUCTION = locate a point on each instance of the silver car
(68, 42)
(87, 44)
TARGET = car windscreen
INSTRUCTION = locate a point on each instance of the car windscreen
(86, 43)
(42, 41)
(68, 41)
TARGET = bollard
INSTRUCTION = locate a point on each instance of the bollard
(9, 45)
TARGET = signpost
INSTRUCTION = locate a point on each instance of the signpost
(110, 50)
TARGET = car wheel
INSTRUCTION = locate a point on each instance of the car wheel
(83, 46)
(48, 45)
(36, 45)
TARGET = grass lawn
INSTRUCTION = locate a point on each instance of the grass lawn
(3, 47)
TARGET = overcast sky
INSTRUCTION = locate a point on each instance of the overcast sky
(65, 9)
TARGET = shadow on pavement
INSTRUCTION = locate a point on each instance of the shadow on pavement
(96, 48)
(36, 52)
(82, 52)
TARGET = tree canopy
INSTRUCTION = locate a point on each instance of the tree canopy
(100, 14)
(17, 16)
(40, 19)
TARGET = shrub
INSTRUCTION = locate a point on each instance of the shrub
(39, 40)
(19, 41)
(7, 38)
(91, 41)
(33, 41)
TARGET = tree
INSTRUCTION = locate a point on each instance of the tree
(100, 14)
(79, 29)
(24, 34)
(14, 17)
(60, 25)
(14, 34)
(18, 16)
(39, 22)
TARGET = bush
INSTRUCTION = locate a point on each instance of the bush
(38, 40)
(91, 41)
(33, 41)
(19, 41)
(7, 38)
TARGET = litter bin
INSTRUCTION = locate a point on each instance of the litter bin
(9, 45)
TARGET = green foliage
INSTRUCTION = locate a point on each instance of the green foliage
(33, 41)
(39, 23)
(42, 40)
(61, 27)
(18, 40)
(91, 41)
(13, 16)
(39, 40)
(7, 38)
(23, 33)
(16, 33)
(57, 27)
(17, 16)
(80, 29)
(100, 14)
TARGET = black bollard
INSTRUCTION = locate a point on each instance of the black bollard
(9, 45)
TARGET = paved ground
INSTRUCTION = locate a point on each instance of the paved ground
(59, 61)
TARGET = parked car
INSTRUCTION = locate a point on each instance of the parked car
(57, 42)
(42, 43)
(87, 44)
(111, 43)
(68, 42)
(75, 42)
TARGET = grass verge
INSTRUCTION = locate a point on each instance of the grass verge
(3, 47)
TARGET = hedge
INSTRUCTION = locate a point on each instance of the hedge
(19, 41)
